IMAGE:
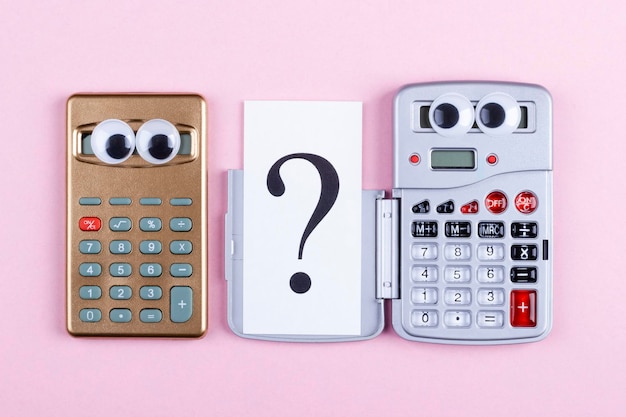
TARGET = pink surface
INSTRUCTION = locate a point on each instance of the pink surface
(327, 49)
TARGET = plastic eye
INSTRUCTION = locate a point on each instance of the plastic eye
(451, 115)
(158, 141)
(498, 114)
(113, 141)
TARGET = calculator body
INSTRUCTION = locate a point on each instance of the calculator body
(474, 211)
(136, 227)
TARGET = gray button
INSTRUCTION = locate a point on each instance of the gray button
(150, 292)
(89, 201)
(150, 247)
(180, 201)
(180, 247)
(180, 224)
(120, 269)
(90, 315)
(120, 224)
(150, 224)
(120, 292)
(90, 292)
(150, 270)
(90, 269)
(181, 270)
(120, 201)
(90, 246)
(150, 201)
(120, 246)
(150, 315)
(181, 304)
(120, 315)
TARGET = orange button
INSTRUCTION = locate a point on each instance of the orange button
(496, 202)
(89, 224)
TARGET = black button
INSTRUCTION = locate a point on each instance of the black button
(491, 230)
(446, 208)
(524, 274)
(524, 230)
(422, 207)
(524, 252)
(424, 229)
(458, 229)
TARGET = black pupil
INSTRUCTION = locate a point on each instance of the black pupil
(116, 146)
(159, 147)
(446, 116)
(492, 115)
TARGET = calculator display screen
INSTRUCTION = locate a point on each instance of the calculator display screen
(453, 159)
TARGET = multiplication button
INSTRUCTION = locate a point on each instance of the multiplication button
(524, 252)
(181, 247)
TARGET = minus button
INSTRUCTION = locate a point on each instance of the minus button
(181, 270)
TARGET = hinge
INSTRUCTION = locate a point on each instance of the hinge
(387, 241)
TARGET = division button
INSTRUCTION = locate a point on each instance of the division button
(89, 224)
(523, 308)
(524, 274)
(524, 252)
(524, 230)
(458, 229)
(181, 304)
(421, 207)
(491, 230)
(496, 202)
(180, 224)
(446, 208)
(526, 202)
(470, 208)
(424, 229)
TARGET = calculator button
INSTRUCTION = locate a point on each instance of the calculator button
(490, 296)
(120, 292)
(89, 246)
(89, 224)
(424, 251)
(119, 269)
(446, 208)
(180, 201)
(424, 318)
(458, 296)
(150, 224)
(457, 274)
(120, 224)
(181, 304)
(150, 292)
(490, 319)
(457, 318)
(523, 274)
(496, 202)
(120, 315)
(421, 207)
(524, 230)
(90, 269)
(424, 295)
(424, 229)
(150, 270)
(181, 247)
(180, 224)
(526, 202)
(470, 208)
(120, 247)
(490, 252)
(150, 247)
(459, 252)
(523, 308)
(524, 252)
(150, 201)
(424, 273)
(120, 201)
(458, 229)
(90, 315)
(490, 274)
(90, 292)
(491, 230)
(150, 315)
(89, 201)
(181, 270)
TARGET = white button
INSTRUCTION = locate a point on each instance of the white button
(459, 252)
(490, 274)
(457, 318)
(421, 251)
(424, 318)
(490, 252)
(457, 274)
(459, 296)
(424, 295)
(490, 296)
(490, 318)
(424, 273)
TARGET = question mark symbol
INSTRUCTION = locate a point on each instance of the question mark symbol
(300, 282)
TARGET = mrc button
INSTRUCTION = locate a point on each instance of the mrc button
(491, 230)
(496, 202)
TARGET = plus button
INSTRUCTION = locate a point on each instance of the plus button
(523, 308)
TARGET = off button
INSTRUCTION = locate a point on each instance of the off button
(496, 202)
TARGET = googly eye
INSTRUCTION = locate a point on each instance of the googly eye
(158, 141)
(451, 114)
(113, 141)
(498, 114)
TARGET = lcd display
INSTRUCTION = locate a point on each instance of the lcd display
(453, 159)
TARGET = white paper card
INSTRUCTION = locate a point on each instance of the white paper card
(315, 150)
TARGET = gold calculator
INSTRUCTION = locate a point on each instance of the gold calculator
(136, 215)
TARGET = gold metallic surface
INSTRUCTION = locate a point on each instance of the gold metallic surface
(183, 177)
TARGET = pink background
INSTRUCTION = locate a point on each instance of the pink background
(327, 49)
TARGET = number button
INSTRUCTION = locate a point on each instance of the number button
(424, 318)
(120, 224)
(150, 270)
(119, 269)
(150, 292)
(90, 269)
(457, 274)
(424, 251)
(120, 315)
(180, 247)
(490, 252)
(460, 296)
(120, 292)
(120, 247)
(424, 273)
(490, 274)
(150, 247)
(90, 292)
(457, 318)
(180, 224)
(90, 315)
(150, 224)
(90, 246)
(490, 296)
(459, 252)
(424, 295)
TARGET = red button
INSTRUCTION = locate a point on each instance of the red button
(470, 208)
(414, 159)
(89, 224)
(523, 308)
(526, 202)
(492, 159)
(496, 202)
